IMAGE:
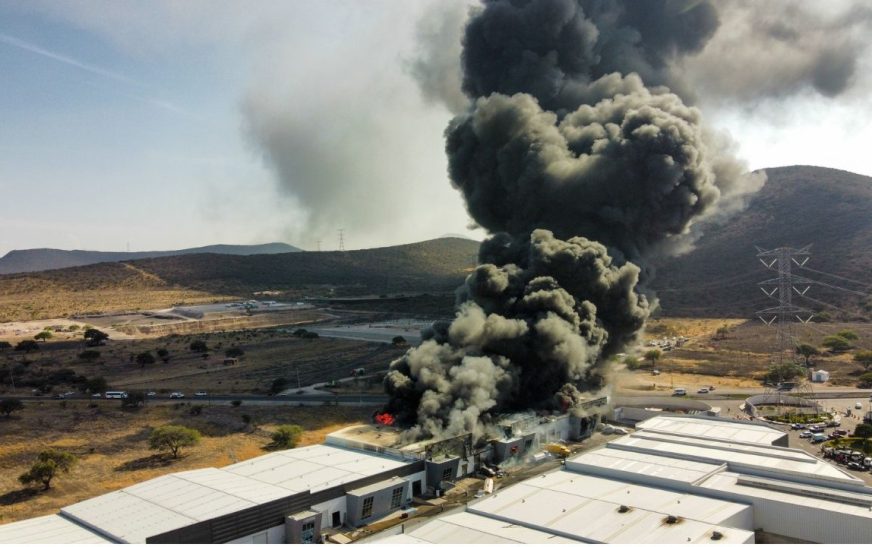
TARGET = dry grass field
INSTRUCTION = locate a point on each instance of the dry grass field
(269, 354)
(742, 355)
(112, 445)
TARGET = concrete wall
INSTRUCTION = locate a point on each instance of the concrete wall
(294, 527)
(329, 507)
(381, 505)
(434, 471)
(276, 534)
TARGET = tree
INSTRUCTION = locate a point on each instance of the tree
(807, 351)
(652, 355)
(164, 355)
(5, 345)
(47, 466)
(722, 332)
(864, 431)
(783, 373)
(848, 334)
(310, 335)
(286, 436)
(173, 438)
(865, 380)
(631, 362)
(299, 333)
(278, 385)
(145, 358)
(837, 344)
(97, 384)
(399, 341)
(89, 355)
(234, 352)
(43, 336)
(864, 358)
(8, 406)
(94, 337)
(134, 399)
(27, 346)
(199, 346)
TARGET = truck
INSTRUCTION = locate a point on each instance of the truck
(115, 395)
(818, 438)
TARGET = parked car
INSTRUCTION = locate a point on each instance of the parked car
(797, 426)
(856, 466)
(833, 435)
(858, 405)
(818, 438)
(805, 434)
(842, 432)
(201, 394)
(620, 431)
(177, 395)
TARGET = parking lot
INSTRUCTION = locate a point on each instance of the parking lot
(848, 423)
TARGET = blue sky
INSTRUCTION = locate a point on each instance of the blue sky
(131, 123)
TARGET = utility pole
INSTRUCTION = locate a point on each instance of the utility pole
(783, 287)
(319, 245)
(786, 312)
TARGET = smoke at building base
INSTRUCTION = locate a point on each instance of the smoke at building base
(582, 164)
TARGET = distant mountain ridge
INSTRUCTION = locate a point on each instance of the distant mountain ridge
(37, 260)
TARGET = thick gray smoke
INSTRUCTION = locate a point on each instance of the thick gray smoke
(582, 164)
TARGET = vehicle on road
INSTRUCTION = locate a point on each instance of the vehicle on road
(858, 405)
(151, 394)
(655, 372)
(834, 435)
(702, 390)
(805, 434)
(201, 394)
(177, 395)
(842, 432)
(97, 395)
(679, 392)
(115, 395)
(59, 396)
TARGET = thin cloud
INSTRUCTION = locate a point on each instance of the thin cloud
(27, 46)
(118, 77)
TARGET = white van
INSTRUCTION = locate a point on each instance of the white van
(679, 392)
(115, 395)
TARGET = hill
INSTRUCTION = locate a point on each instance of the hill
(800, 205)
(431, 266)
(37, 260)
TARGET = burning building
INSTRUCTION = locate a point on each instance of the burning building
(582, 161)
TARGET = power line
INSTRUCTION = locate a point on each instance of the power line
(837, 276)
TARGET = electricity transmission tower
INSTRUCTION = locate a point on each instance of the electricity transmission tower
(341, 239)
(786, 313)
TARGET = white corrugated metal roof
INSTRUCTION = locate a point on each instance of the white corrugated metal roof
(728, 482)
(49, 529)
(468, 528)
(710, 428)
(314, 468)
(586, 509)
(166, 503)
(781, 461)
(639, 463)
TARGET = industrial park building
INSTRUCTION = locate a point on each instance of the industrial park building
(285, 496)
(677, 479)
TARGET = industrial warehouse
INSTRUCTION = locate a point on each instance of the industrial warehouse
(675, 479)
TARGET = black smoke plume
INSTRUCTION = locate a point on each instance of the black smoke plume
(582, 163)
